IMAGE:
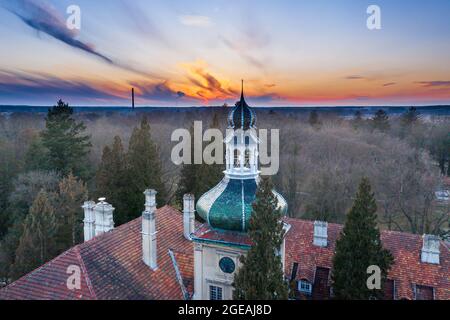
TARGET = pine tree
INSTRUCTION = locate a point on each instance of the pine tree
(381, 120)
(144, 170)
(72, 193)
(410, 117)
(314, 119)
(261, 274)
(65, 140)
(357, 119)
(111, 179)
(358, 248)
(37, 244)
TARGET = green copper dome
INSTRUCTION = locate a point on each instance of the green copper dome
(228, 206)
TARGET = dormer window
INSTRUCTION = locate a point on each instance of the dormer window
(304, 286)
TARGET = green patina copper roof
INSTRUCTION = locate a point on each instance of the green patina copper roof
(228, 206)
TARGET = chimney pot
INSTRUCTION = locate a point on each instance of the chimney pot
(188, 215)
(149, 249)
(104, 217)
(89, 220)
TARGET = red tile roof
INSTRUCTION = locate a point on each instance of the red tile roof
(112, 267)
(208, 234)
(407, 271)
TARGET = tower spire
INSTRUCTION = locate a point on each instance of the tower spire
(242, 90)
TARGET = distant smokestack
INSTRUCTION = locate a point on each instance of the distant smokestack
(132, 98)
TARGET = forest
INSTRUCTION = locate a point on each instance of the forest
(51, 163)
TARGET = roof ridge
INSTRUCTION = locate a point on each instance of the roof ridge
(84, 269)
(342, 225)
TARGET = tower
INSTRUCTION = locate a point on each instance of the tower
(227, 209)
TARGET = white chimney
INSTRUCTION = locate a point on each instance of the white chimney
(89, 220)
(188, 215)
(320, 233)
(104, 219)
(149, 253)
(430, 249)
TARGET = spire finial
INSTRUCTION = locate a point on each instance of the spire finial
(242, 89)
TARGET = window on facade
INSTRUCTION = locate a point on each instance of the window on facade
(424, 293)
(247, 158)
(247, 140)
(235, 141)
(215, 293)
(305, 286)
(237, 161)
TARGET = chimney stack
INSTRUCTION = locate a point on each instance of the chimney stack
(320, 234)
(103, 215)
(430, 249)
(149, 253)
(89, 220)
(188, 215)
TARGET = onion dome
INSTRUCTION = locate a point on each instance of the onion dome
(228, 206)
(242, 116)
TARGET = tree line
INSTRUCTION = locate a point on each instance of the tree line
(44, 183)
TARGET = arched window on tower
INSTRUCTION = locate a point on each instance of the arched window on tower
(237, 161)
(235, 141)
(247, 141)
(247, 158)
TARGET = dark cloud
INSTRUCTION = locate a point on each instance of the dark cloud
(38, 87)
(43, 18)
(355, 77)
(436, 83)
(270, 97)
(157, 91)
(389, 84)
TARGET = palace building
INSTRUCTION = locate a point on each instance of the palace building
(167, 254)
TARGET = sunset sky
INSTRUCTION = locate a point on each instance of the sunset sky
(184, 52)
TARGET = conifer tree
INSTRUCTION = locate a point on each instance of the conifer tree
(357, 120)
(69, 215)
(65, 140)
(37, 244)
(410, 117)
(144, 170)
(314, 119)
(261, 275)
(111, 179)
(381, 120)
(358, 248)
